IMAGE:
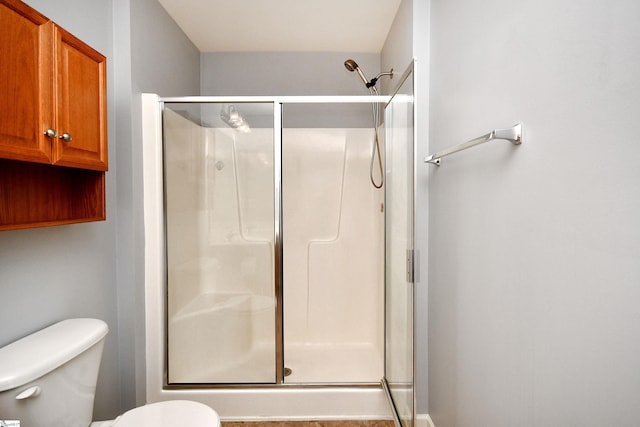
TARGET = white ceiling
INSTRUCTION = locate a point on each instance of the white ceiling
(284, 25)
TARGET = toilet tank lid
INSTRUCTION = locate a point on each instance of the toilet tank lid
(38, 354)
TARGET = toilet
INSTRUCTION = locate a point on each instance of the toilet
(49, 379)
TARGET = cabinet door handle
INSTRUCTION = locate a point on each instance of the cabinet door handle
(51, 133)
(66, 137)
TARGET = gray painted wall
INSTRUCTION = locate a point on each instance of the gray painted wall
(284, 73)
(50, 274)
(397, 51)
(534, 265)
(165, 62)
(93, 270)
(294, 73)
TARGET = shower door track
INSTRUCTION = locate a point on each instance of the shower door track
(278, 103)
(265, 386)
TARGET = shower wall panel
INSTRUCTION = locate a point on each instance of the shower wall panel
(333, 268)
(183, 165)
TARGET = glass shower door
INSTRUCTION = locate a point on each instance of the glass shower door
(399, 174)
(219, 203)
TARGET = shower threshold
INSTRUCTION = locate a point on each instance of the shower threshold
(285, 402)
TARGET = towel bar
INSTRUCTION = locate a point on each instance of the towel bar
(513, 134)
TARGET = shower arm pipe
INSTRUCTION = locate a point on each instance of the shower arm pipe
(372, 83)
(512, 134)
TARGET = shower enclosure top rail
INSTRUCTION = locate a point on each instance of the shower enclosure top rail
(311, 99)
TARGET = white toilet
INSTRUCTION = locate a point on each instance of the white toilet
(49, 379)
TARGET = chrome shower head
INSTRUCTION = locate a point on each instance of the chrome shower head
(351, 65)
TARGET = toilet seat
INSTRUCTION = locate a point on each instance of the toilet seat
(172, 413)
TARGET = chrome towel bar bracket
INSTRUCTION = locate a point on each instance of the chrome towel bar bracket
(513, 134)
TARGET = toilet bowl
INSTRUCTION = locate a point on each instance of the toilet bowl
(49, 378)
(173, 413)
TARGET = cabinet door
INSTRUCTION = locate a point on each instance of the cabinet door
(81, 104)
(26, 87)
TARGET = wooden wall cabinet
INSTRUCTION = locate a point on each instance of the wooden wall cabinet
(53, 123)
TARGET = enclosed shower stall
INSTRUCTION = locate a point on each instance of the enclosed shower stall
(221, 226)
(267, 254)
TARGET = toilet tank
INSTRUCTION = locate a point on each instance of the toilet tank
(49, 378)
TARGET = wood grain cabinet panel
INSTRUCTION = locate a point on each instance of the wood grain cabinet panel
(37, 195)
(26, 86)
(81, 104)
(53, 123)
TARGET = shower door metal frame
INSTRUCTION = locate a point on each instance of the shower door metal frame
(411, 270)
(278, 103)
